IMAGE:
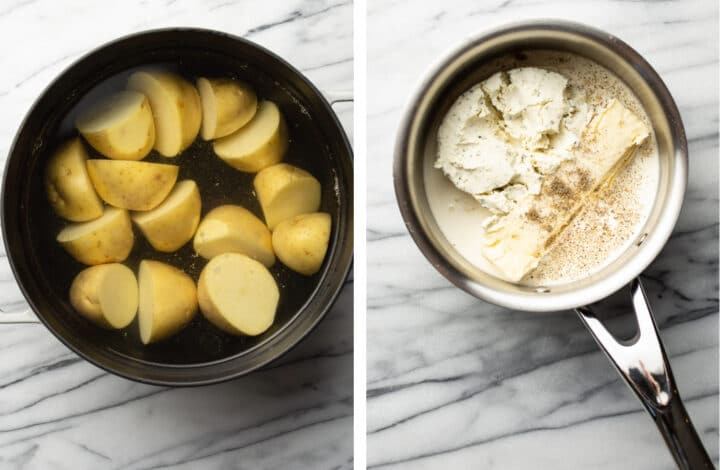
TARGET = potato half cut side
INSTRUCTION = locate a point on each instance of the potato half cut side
(227, 105)
(68, 186)
(238, 295)
(302, 241)
(175, 107)
(167, 301)
(173, 223)
(260, 143)
(285, 191)
(120, 126)
(106, 294)
(138, 186)
(107, 239)
(234, 229)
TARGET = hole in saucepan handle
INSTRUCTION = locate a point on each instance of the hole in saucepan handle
(339, 96)
(643, 364)
(23, 316)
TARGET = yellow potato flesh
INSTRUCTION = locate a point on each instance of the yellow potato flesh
(68, 186)
(227, 105)
(173, 223)
(120, 126)
(301, 242)
(167, 300)
(260, 143)
(107, 239)
(234, 229)
(285, 191)
(106, 294)
(175, 107)
(131, 185)
(238, 295)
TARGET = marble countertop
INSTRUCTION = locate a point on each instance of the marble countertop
(454, 382)
(58, 411)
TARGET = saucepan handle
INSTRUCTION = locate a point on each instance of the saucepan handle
(643, 364)
(23, 316)
(339, 96)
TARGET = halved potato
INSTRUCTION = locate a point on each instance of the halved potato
(301, 242)
(258, 144)
(175, 106)
(120, 126)
(68, 186)
(106, 294)
(285, 191)
(227, 105)
(108, 239)
(138, 186)
(234, 229)
(173, 223)
(168, 300)
(238, 295)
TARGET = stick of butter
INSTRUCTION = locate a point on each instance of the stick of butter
(517, 241)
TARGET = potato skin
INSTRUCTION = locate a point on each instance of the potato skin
(284, 191)
(180, 104)
(174, 228)
(235, 104)
(243, 233)
(131, 185)
(68, 186)
(170, 295)
(271, 152)
(109, 243)
(301, 242)
(84, 295)
(106, 141)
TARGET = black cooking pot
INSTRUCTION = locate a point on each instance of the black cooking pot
(201, 353)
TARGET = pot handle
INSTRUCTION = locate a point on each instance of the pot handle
(339, 96)
(23, 316)
(643, 364)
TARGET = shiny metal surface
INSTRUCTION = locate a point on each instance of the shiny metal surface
(470, 63)
(642, 361)
(643, 364)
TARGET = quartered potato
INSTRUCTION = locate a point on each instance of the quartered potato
(68, 186)
(107, 239)
(120, 126)
(175, 107)
(234, 229)
(138, 186)
(173, 223)
(167, 301)
(285, 191)
(302, 241)
(106, 294)
(260, 143)
(238, 295)
(227, 105)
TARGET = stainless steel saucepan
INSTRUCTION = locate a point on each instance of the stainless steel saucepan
(641, 361)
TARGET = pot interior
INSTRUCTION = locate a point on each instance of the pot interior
(476, 62)
(45, 270)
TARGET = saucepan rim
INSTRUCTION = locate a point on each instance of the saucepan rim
(536, 300)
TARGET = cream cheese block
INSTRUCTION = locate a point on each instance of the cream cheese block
(515, 242)
(499, 138)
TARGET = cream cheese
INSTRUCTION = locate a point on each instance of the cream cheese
(501, 136)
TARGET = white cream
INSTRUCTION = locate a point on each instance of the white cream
(500, 137)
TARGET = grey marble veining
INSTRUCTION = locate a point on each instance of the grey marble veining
(454, 382)
(59, 412)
